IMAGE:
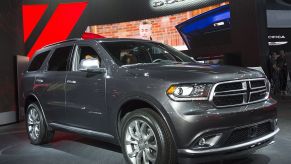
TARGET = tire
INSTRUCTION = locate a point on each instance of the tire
(151, 143)
(36, 126)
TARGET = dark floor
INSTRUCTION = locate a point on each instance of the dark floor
(73, 149)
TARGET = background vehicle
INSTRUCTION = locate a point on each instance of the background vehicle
(154, 101)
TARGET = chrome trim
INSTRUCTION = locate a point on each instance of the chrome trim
(187, 99)
(238, 94)
(245, 101)
(232, 91)
(259, 87)
(235, 105)
(246, 144)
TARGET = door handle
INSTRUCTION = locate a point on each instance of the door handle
(71, 82)
(39, 80)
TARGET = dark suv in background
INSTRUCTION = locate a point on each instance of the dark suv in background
(151, 99)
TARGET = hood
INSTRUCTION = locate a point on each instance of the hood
(193, 72)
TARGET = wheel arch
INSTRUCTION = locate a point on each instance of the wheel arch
(135, 103)
(33, 98)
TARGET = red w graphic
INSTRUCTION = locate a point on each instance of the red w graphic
(58, 27)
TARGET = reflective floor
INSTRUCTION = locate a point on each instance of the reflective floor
(74, 149)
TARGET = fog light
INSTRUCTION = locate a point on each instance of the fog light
(209, 141)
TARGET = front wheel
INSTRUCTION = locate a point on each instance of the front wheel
(146, 139)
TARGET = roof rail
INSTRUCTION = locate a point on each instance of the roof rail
(64, 41)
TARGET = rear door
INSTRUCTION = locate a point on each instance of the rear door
(85, 92)
(51, 84)
(34, 70)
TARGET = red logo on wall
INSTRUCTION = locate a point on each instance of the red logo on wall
(59, 26)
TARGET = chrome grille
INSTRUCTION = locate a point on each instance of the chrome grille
(239, 92)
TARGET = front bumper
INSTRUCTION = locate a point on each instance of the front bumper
(256, 143)
(193, 121)
(237, 153)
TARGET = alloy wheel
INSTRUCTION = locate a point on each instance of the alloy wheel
(33, 123)
(140, 143)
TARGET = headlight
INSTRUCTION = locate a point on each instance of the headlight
(189, 92)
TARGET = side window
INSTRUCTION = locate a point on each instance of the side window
(60, 59)
(37, 61)
(83, 53)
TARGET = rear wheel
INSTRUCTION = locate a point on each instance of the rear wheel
(146, 139)
(37, 130)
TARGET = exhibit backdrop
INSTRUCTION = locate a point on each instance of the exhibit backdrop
(161, 29)
(47, 21)
(58, 20)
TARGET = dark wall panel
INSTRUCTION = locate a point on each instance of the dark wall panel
(249, 31)
(11, 44)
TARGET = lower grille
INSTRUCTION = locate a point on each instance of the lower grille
(248, 133)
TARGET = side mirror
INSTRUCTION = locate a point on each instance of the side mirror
(91, 65)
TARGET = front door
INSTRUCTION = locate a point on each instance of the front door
(85, 93)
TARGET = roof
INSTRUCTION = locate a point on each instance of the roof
(119, 39)
(98, 40)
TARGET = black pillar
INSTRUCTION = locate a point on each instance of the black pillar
(11, 44)
(249, 32)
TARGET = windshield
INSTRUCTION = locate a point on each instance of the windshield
(133, 52)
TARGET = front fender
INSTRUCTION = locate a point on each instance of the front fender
(156, 105)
